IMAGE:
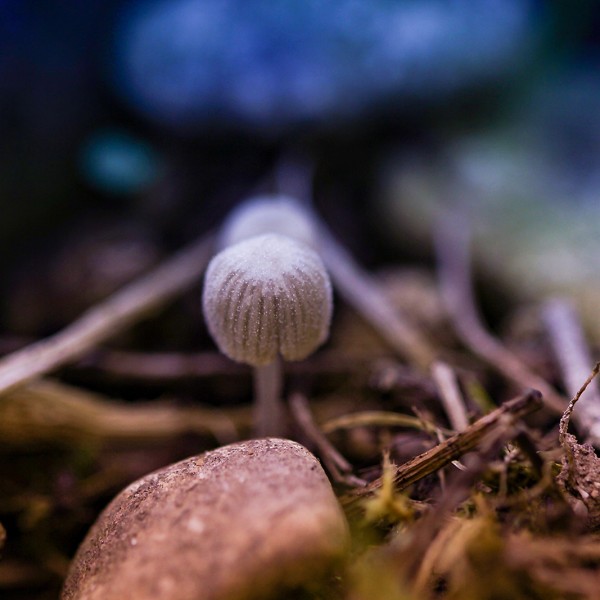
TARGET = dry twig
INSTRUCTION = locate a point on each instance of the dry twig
(452, 246)
(172, 367)
(575, 362)
(365, 295)
(456, 446)
(125, 307)
(337, 465)
(449, 392)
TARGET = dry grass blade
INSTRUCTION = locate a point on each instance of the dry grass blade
(379, 418)
(51, 412)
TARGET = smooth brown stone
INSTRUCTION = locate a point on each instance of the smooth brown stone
(234, 523)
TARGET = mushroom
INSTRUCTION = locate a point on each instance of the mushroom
(266, 297)
(275, 213)
(279, 213)
(268, 294)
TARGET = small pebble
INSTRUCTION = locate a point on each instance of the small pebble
(243, 521)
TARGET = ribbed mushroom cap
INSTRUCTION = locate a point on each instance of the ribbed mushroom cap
(269, 214)
(265, 296)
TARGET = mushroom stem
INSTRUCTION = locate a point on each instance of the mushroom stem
(269, 417)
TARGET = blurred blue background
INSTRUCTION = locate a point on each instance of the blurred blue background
(165, 112)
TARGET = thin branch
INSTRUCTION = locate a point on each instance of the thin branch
(107, 318)
(456, 446)
(575, 362)
(367, 297)
(453, 256)
(175, 366)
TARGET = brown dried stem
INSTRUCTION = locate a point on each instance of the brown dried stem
(564, 421)
(453, 448)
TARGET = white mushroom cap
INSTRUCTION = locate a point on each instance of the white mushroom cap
(269, 214)
(265, 296)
